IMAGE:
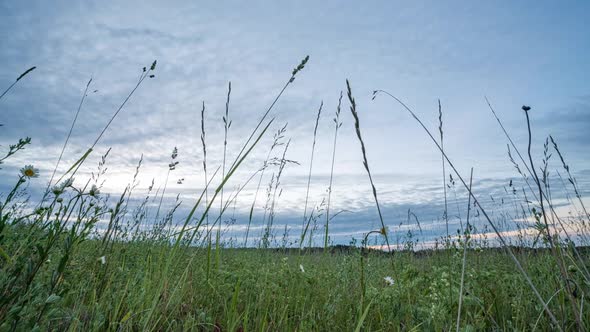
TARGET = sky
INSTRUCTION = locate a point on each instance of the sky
(458, 52)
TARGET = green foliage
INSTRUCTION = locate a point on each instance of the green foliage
(256, 289)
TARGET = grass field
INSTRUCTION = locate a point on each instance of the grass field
(137, 287)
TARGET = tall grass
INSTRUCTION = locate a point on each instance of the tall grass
(87, 260)
(315, 134)
(365, 162)
(464, 260)
(226, 125)
(337, 125)
(444, 172)
(278, 136)
(503, 241)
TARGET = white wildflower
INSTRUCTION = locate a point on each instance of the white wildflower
(67, 183)
(102, 259)
(57, 190)
(29, 171)
(389, 281)
(60, 188)
(301, 268)
(94, 191)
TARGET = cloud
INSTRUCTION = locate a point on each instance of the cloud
(419, 52)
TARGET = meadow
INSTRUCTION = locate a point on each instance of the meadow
(73, 260)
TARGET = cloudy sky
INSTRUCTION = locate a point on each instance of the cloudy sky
(514, 53)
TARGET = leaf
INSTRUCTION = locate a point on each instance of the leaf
(5, 255)
(126, 317)
(360, 323)
(40, 249)
(52, 299)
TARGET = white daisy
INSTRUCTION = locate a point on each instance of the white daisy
(60, 188)
(389, 281)
(67, 183)
(29, 171)
(57, 190)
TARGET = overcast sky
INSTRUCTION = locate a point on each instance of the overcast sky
(513, 52)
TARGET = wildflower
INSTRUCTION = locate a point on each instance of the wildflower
(67, 183)
(301, 268)
(102, 259)
(94, 191)
(526, 108)
(389, 281)
(59, 199)
(29, 171)
(57, 190)
(40, 210)
(60, 188)
(383, 231)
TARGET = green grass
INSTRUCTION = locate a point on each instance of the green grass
(266, 290)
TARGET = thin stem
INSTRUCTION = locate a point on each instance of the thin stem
(465, 242)
(444, 174)
(291, 80)
(203, 142)
(69, 134)
(337, 125)
(365, 162)
(226, 124)
(162, 196)
(315, 130)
